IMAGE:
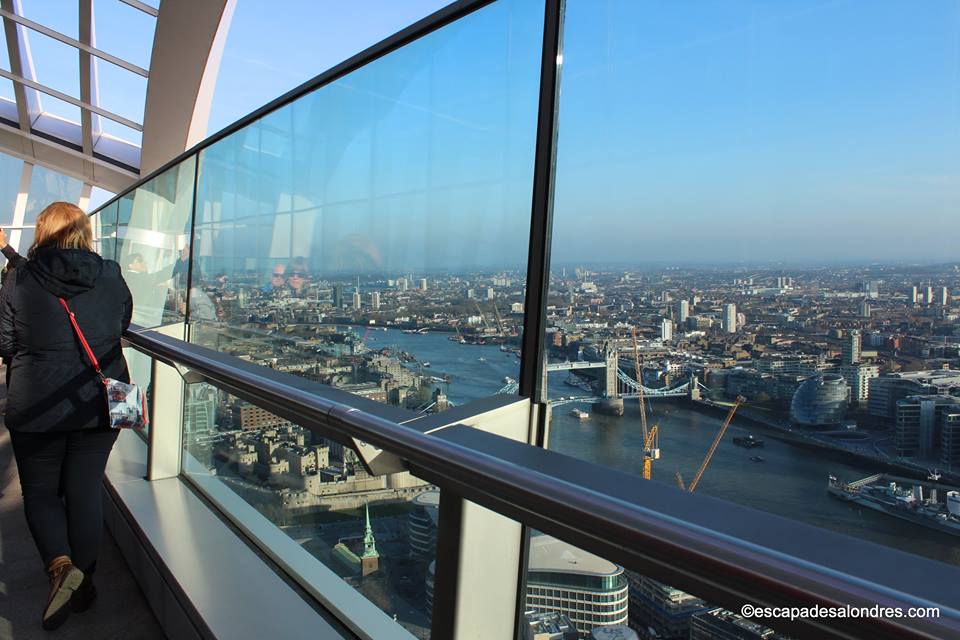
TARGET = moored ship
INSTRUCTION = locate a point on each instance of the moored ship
(901, 502)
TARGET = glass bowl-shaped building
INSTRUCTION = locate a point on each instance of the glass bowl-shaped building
(820, 401)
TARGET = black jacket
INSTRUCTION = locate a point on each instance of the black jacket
(53, 386)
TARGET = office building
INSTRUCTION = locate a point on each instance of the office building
(851, 348)
(858, 378)
(720, 624)
(864, 310)
(423, 284)
(913, 296)
(666, 329)
(919, 424)
(887, 390)
(662, 608)
(683, 311)
(338, 296)
(375, 300)
(821, 401)
(730, 318)
(356, 300)
(548, 625)
(591, 591)
(943, 296)
(950, 439)
(928, 295)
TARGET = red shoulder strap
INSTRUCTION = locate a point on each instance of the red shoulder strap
(83, 340)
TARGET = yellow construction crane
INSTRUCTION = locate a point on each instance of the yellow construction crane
(651, 438)
(713, 448)
(651, 451)
(643, 409)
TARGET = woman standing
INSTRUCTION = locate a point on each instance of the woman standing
(56, 411)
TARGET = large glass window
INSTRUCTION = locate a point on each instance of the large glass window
(373, 235)
(153, 246)
(766, 195)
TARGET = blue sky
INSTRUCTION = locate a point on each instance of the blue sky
(709, 130)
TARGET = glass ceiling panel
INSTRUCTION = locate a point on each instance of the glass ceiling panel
(4, 56)
(121, 92)
(62, 16)
(57, 64)
(60, 109)
(117, 130)
(6, 90)
(10, 169)
(124, 31)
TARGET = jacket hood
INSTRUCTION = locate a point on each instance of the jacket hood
(65, 272)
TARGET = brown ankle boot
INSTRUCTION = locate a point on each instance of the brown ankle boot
(64, 580)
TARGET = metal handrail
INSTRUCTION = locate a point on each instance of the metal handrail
(723, 552)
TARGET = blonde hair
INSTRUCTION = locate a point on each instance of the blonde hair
(65, 226)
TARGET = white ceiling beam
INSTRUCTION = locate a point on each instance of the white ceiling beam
(63, 159)
(86, 74)
(141, 6)
(187, 47)
(18, 52)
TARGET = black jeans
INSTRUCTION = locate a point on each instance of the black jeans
(61, 476)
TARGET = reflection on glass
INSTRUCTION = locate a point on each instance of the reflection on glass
(770, 205)
(373, 234)
(153, 248)
(378, 533)
(46, 187)
(575, 594)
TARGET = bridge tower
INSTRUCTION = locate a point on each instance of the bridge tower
(612, 403)
(610, 380)
(694, 387)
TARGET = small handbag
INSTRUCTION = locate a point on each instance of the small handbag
(126, 403)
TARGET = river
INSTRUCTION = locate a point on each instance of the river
(791, 482)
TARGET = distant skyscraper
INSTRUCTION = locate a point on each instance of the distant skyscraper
(683, 311)
(865, 309)
(928, 295)
(490, 293)
(471, 294)
(730, 318)
(375, 300)
(914, 297)
(423, 284)
(943, 296)
(403, 284)
(851, 348)
(356, 300)
(666, 330)
(338, 296)
(873, 289)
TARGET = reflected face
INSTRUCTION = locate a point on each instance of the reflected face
(297, 279)
(277, 276)
(137, 266)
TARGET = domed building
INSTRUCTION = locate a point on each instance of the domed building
(820, 401)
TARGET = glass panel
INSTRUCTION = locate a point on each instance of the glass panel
(153, 245)
(105, 228)
(10, 171)
(55, 63)
(769, 197)
(63, 16)
(4, 54)
(47, 187)
(377, 533)
(121, 92)
(141, 372)
(97, 197)
(124, 31)
(571, 591)
(373, 234)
